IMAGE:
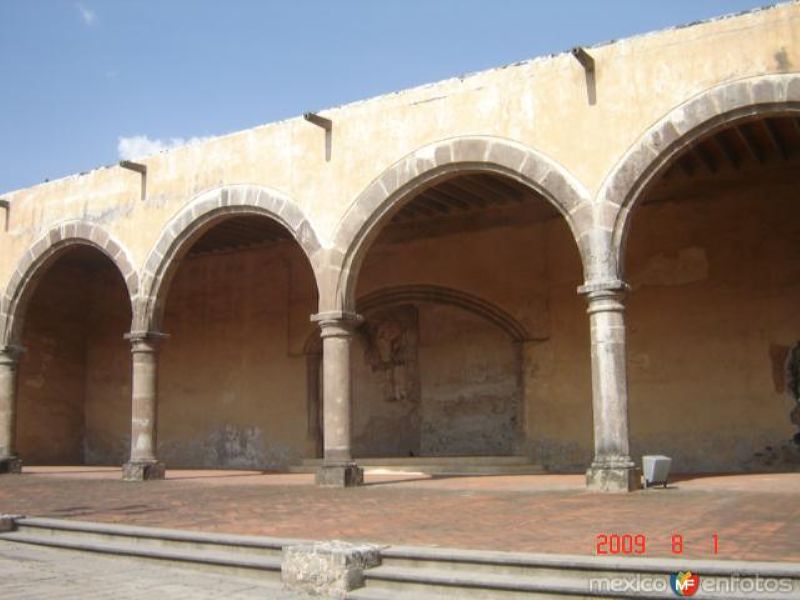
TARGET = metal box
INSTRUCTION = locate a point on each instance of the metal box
(656, 469)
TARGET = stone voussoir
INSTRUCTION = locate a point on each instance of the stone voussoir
(442, 155)
(792, 88)
(506, 155)
(469, 150)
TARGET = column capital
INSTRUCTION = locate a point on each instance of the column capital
(145, 341)
(337, 323)
(10, 355)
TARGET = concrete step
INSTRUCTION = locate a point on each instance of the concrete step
(395, 582)
(421, 460)
(441, 573)
(415, 572)
(445, 583)
(378, 594)
(268, 567)
(438, 465)
(442, 470)
(152, 537)
(223, 553)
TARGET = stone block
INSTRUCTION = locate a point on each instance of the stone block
(8, 522)
(613, 479)
(12, 464)
(327, 569)
(345, 475)
(143, 471)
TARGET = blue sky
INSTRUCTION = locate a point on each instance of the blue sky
(81, 81)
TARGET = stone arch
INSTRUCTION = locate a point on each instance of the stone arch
(425, 167)
(42, 254)
(452, 297)
(713, 109)
(195, 219)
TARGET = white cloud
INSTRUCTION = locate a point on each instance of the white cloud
(141, 145)
(88, 16)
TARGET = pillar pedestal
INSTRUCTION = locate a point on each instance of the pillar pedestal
(143, 464)
(338, 468)
(612, 469)
(605, 478)
(143, 471)
(10, 462)
(343, 475)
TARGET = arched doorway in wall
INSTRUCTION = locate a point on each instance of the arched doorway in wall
(713, 258)
(74, 394)
(232, 372)
(431, 378)
(437, 373)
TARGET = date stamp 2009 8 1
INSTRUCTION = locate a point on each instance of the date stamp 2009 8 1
(626, 544)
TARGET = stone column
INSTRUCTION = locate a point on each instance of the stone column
(612, 469)
(338, 468)
(143, 464)
(9, 361)
(314, 406)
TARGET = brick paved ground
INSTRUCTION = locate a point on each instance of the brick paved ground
(757, 517)
(38, 573)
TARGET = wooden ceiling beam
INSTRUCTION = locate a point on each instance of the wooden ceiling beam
(450, 200)
(403, 215)
(706, 158)
(476, 198)
(774, 138)
(495, 196)
(428, 199)
(749, 144)
(726, 150)
(684, 161)
(502, 187)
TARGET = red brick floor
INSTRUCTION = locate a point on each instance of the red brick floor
(757, 517)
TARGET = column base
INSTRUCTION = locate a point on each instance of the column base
(11, 464)
(143, 471)
(341, 475)
(600, 478)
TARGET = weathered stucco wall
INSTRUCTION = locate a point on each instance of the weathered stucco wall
(470, 382)
(233, 384)
(108, 370)
(434, 380)
(468, 366)
(712, 316)
(716, 285)
(74, 385)
(52, 374)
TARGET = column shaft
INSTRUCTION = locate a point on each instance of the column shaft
(338, 468)
(9, 362)
(314, 405)
(612, 468)
(337, 408)
(143, 462)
